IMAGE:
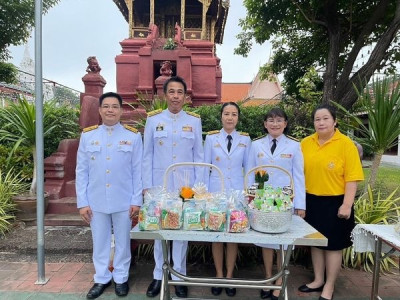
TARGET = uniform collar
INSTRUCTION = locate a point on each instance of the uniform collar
(225, 134)
(278, 139)
(111, 128)
(174, 116)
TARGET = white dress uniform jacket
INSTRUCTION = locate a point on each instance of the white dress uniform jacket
(231, 163)
(171, 138)
(108, 180)
(108, 172)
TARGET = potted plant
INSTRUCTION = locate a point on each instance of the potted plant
(20, 129)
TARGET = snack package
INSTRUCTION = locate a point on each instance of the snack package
(150, 211)
(171, 213)
(149, 215)
(237, 219)
(194, 215)
(216, 215)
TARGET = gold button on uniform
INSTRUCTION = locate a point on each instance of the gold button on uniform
(108, 158)
(108, 145)
(174, 144)
(174, 156)
(108, 185)
(107, 171)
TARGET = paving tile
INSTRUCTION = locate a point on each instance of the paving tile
(28, 286)
(82, 277)
(54, 267)
(53, 286)
(9, 285)
(77, 287)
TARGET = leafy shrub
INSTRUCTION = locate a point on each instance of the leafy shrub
(10, 184)
(369, 209)
(67, 117)
(21, 161)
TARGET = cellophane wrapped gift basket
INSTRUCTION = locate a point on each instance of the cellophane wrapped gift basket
(194, 208)
(270, 208)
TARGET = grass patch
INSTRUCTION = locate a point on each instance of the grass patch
(387, 181)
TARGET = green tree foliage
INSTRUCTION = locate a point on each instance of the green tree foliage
(381, 102)
(328, 34)
(17, 18)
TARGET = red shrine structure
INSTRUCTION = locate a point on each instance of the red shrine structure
(183, 32)
(166, 38)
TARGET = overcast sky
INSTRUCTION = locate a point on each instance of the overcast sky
(76, 29)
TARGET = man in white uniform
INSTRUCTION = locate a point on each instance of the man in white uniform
(109, 192)
(171, 136)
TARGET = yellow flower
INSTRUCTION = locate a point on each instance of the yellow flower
(186, 193)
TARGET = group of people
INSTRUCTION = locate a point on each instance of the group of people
(114, 170)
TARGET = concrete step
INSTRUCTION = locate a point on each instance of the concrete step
(64, 205)
(69, 219)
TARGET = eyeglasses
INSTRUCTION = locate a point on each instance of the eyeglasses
(277, 121)
(113, 107)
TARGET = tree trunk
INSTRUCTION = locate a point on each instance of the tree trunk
(374, 170)
(332, 60)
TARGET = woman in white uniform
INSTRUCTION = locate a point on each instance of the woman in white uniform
(228, 150)
(279, 150)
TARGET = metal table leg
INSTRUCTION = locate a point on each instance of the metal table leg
(377, 265)
(164, 293)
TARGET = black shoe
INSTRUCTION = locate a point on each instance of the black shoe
(230, 292)
(97, 289)
(121, 289)
(305, 289)
(216, 290)
(181, 291)
(265, 294)
(273, 297)
(154, 288)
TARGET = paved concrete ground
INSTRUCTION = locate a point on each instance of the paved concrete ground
(70, 272)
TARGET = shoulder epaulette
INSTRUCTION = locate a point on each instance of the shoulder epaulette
(154, 112)
(292, 138)
(244, 133)
(260, 137)
(193, 114)
(212, 132)
(130, 128)
(90, 128)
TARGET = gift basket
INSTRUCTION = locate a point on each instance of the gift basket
(196, 211)
(269, 208)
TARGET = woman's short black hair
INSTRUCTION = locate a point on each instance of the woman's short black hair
(110, 95)
(330, 108)
(230, 103)
(277, 112)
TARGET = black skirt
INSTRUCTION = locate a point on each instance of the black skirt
(321, 213)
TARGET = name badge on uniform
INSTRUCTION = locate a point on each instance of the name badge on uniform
(125, 142)
(260, 154)
(95, 143)
(331, 165)
(286, 155)
(217, 146)
(160, 127)
(187, 128)
(242, 145)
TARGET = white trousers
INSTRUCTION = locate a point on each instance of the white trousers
(179, 249)
(101, 226)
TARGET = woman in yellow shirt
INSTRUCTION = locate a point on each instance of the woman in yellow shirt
(332, 169)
